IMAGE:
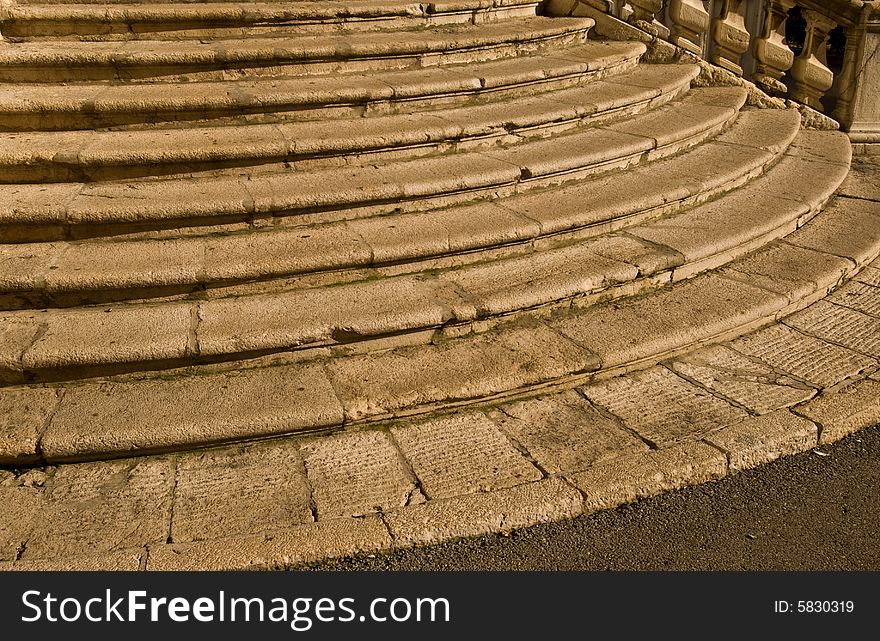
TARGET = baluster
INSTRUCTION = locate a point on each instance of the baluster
(773, 56)
(844, 87)
(730, 36)
(812, 77)
(690, 22)
(644, 16)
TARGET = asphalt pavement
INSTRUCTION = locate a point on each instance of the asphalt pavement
(815, 511)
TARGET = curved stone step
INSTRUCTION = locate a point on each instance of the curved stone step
(94, 271)
(100, 419)
(89, 106)
(40, 212)
(86, 155)
(89, 341)
(182, 20)
(50, 62)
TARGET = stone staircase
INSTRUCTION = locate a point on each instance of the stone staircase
(231, 221)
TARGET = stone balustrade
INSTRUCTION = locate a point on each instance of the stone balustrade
(816, 52)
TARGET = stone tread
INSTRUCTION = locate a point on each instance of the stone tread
(85, 60)
(40, 273)
(144, 335)
(566, 348)
(230, 197)
(87, 106)
(76, 155)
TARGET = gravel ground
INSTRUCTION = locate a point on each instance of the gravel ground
(807, 512)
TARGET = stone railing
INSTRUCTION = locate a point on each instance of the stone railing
(820, 53)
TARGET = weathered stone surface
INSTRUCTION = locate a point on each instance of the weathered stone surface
(847, 227)
(117, 561)
(858, 296)
(637, 476)
(840, 325)
(239, 490)
(565, 433)
(846, 410)
(358, 473)
(764, 439)
(806, 357)
(101, 507)
(20, 508)
(665, 321)
(462, 454)
(475, 514)
(869, 276)
(462, 369)
(740, 379)
(211, 408)
(662, 407)
(24, 412)
(283, 549)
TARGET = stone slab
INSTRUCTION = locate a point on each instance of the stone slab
(765, 438)
(105, 506)
(638, 476)
(806, 357)
(475, 514)
(847, 227)
(565, 433)
(239, 490)
(20, 509)
(740, 379)
(843, 411)
(24, 413)
(462, 454)
(858, 296)
(662, 407)
(840, 325)
(118, 417)
(461, 369)
(358, 473)
(279, 550)
(117, 561)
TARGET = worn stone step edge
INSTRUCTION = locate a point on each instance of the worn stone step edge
(166, 20)
(280, 99)
(90, 156)
(50, 62)
(70, 210)
(140, 336)
(67, 274)
(113, 418)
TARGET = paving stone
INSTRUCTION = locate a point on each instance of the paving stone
(119, 561)
(565, 433)
(637, 476)
(764, 438)
(741, 379)
(869, 276)
(863, 181)
(845, 410)
(239, 490)
(24, 412)
(667, 320)
(803, 356)
(104, 506)
(15, 337)
(157, 414)
(847, 227)
(283, 549)
(858, 296)
(358, 473)
(839, 325)
(662, 407)
(483, 513)
(795, 272)
(20, 509)
(457, 370)
(462, 454)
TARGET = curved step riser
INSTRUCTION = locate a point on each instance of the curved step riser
(275, 63)
(220, 25)
(280, 108)
(50, 168)
(457, 301)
